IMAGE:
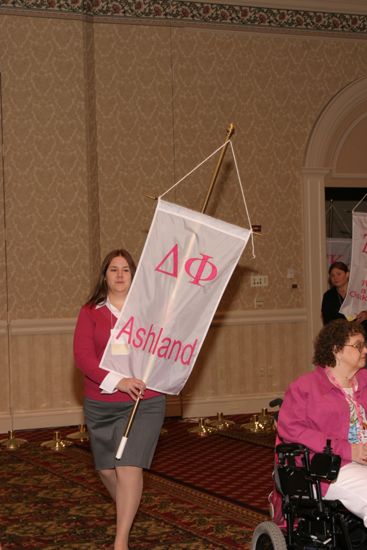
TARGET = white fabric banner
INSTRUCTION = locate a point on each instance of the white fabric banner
(356, 297)
(187, 261)
(338, 250)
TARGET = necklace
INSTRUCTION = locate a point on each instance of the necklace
(350, 397)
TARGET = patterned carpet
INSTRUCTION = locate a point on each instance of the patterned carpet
(259, 439)
(231, 469)
(202, 493)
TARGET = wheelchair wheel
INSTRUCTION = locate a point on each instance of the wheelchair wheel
(268, 536)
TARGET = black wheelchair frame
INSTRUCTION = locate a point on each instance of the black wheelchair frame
(310, 522)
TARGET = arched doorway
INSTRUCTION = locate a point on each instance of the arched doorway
(334, 157)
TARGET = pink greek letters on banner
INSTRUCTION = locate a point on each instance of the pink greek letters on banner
(173, 255)
(187, 261)
(356, 297)
(203, 263)
(338, 250)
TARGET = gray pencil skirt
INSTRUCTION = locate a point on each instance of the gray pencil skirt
(106, 423)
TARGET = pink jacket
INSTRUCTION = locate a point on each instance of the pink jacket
(91, 335)
(314, 410)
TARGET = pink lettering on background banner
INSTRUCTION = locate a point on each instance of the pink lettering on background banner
(334, 258)
(358, 295)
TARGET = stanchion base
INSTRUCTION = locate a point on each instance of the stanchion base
(56, 444)
(81, 435)
(12, 443)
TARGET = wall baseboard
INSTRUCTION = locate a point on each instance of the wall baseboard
(41, 419)
(230, 404)
(57, 418)
(176, 406)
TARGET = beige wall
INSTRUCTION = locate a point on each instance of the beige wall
(97, 114)
(45, 165)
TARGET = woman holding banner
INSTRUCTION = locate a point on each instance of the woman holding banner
(109, 397)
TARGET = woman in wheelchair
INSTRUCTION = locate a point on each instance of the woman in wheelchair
(323, 413)
(330, 403)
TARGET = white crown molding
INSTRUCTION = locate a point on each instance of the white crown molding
(348, 177)
(315, 172)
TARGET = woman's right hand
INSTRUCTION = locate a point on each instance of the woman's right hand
(359, 453)
(133, 386)
(361, 316)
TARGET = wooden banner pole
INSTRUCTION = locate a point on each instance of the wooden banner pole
(230, 132)
(133, 412)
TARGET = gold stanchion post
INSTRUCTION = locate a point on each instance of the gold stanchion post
(11, 443)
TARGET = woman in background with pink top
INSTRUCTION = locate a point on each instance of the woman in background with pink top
(330, 402)
(109, 397)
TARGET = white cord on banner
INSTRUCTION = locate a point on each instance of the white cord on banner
(362, 199)
(228, 141)
(194, 169)
(244, 200)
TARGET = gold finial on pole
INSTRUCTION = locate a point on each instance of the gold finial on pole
(151, 197)
(230, 132)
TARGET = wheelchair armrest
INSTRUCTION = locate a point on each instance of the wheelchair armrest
(276, 402)
(325, 466)
(290, 449)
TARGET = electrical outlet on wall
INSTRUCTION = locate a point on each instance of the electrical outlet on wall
(258, 281)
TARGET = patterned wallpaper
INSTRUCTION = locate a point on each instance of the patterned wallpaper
(96, 113)
(207, 13)
(276, 95)
(44, 132)
(135, 129)
(271, 87)
(92, 196)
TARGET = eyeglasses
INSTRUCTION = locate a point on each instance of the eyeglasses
(358, 346)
